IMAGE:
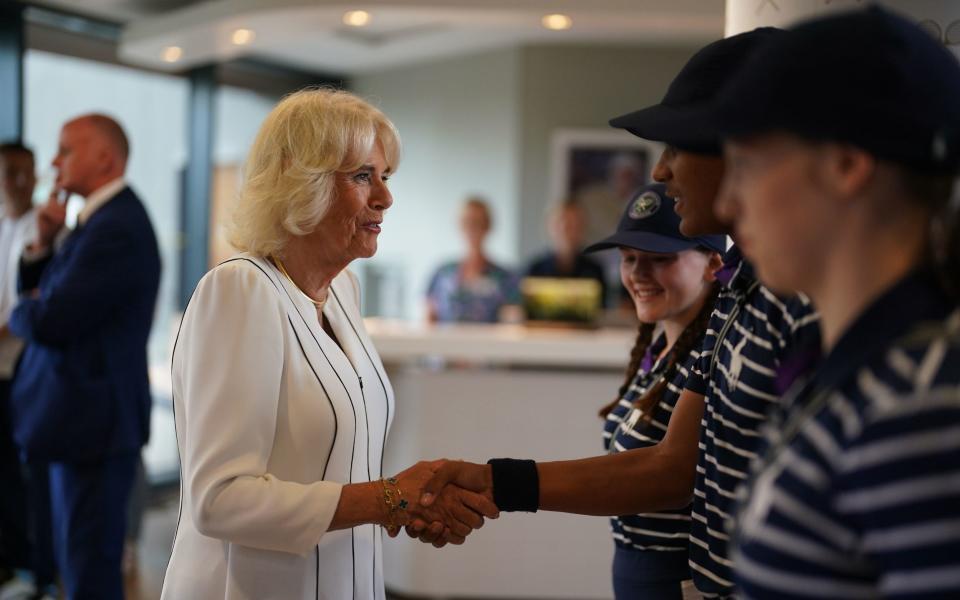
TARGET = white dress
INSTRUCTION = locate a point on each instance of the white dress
(272, 418)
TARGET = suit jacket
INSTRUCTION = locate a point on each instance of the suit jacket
(86, 336)
(273, 417)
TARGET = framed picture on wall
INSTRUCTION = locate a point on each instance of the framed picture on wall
(599, 169)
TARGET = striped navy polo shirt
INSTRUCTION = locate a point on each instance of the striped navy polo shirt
(756, 330)
(625, 429)
(858, 491)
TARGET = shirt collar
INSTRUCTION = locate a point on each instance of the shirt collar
(653, 351)
(736, 273)
(916, 298)
(99, 197)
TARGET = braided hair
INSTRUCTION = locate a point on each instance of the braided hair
(688, 340)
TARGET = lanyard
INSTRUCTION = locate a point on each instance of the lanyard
(626, 422)
(741, 301)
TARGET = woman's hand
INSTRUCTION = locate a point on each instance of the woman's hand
(445, 514)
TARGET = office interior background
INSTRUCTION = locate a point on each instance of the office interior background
(491, 97)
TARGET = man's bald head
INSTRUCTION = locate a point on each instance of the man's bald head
(93, 152)
(109, 130)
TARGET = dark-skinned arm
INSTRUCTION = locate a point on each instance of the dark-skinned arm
(648, 479)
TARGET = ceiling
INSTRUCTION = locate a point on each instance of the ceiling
(311, 35)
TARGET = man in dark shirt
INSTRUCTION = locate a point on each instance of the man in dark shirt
(567, 224)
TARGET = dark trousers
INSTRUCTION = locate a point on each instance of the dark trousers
(14, 539)
(649, 575)
(89, 521)
(26, 535)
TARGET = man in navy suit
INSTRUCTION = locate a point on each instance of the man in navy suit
(81, 398)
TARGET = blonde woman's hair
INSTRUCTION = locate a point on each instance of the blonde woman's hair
(288, 180)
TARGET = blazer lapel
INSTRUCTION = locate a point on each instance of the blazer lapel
(347, 323)
(321, 351)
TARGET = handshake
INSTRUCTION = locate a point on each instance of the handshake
(439, 502)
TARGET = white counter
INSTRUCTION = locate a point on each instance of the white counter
(516, 345)
(544, 410)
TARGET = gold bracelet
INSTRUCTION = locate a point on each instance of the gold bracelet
(396, 505)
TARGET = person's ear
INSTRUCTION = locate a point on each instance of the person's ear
(106, 159)
(714, 264)
(849, 170)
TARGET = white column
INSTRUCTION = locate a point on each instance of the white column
(940, 17)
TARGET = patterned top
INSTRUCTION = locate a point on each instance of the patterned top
(477, 301)
(756, 331)
(858, 491)
(626, 429)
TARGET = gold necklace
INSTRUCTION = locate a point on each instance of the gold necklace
(318, 303)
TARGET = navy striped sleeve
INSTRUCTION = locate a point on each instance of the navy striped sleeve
(865, 503)
(856, 489)
(628, 428)
(750, 333)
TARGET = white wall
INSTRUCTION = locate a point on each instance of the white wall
(458, 122)
(152, 110)
(579, 87)
(239, 113)
(483, 124)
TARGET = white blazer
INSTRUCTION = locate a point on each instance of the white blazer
(272, 418)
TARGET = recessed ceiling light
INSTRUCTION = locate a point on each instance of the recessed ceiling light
(356, 18)
(242, 37)
(172, 54)
(557, 22)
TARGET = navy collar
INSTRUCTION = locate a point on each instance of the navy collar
(736, 274)
(653, 351)
(916, 298)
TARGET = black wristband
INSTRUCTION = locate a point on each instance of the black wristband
(516, 484)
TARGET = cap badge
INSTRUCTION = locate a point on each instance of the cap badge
(646, 204)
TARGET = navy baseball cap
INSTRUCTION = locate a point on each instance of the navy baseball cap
(683, 119)
(869, 78)
(649, 223)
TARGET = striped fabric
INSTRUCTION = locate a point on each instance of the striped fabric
(756, 331)
(625, 429)
(864, 500)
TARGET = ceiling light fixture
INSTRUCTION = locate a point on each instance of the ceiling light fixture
(557, 22)
(242, 37)
(356, 18)
(172, 54)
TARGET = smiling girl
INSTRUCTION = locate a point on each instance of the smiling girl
(670, 279)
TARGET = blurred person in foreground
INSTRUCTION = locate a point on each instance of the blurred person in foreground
(474, 289)
(850, 198)
(282, 404)
(81, 397)
(566, 224)
(26, 544)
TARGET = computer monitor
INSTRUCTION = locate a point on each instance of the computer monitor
(555, 300)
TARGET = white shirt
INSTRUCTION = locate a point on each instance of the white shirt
(99, 197)
(272, 419)
(14, 235)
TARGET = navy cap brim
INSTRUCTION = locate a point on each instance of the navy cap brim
(692, 129)
(642, 240)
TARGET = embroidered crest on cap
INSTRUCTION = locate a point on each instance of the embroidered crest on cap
(645, 205)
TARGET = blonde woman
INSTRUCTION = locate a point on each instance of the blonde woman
(282, 404)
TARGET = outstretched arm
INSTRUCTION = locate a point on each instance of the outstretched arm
(648, 479)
